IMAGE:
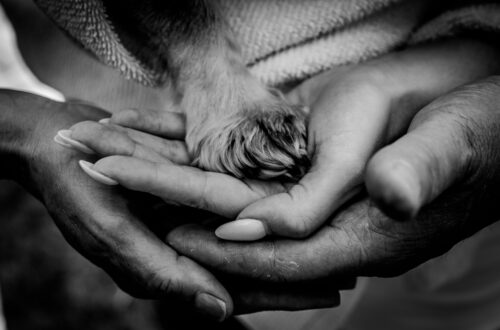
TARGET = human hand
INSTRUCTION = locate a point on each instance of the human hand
(105, 224)
(446, 167)
(356, 111)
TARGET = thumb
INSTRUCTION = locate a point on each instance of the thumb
(439, 150)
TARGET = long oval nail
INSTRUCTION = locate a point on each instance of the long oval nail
(87, 167)
(63, 137)
(105, 121)
(242, 230)
(59, 140)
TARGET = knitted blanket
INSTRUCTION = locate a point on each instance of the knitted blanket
(286, 40)
(290, 40)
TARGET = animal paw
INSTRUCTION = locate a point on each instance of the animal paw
(265, 142)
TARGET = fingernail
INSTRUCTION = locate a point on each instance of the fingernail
(59, 140)
(99, 177)
(242, 230)
(401, 193)
(63, 137)
(105, 121)
(211, 306)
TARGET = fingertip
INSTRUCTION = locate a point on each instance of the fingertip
(59, 140)
(64, 138)
(245, 230)
(393, 185)
(88, 168)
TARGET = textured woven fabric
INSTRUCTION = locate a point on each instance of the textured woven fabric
(266, 27)
(290, 40)
(281, 40)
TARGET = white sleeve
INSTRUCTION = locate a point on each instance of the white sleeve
(14, 73)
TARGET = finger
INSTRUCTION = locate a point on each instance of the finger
(162, 123)
(114, 140)
(163, 273)
(332, 252)
(189, 186)
(174, 150)
(361, 241)
(104, 229)
(442, 148)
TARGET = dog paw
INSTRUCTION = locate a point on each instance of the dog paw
(265, 142)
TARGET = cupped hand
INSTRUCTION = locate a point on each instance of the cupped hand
(354, 112)
(447, 166)
(101, 222)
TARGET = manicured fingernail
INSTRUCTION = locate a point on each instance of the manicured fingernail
(59, 140)
(242, 230)
(105, 121)
(63, 137)
(99, 177)
(211, 306)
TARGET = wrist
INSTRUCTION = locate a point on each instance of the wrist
(14, 136)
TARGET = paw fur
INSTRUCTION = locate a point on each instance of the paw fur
(263, 143)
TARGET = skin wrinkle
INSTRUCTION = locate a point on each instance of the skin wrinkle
(278, 273)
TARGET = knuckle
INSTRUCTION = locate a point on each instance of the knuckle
(280, 268)
(166, 280)
(158, 284)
